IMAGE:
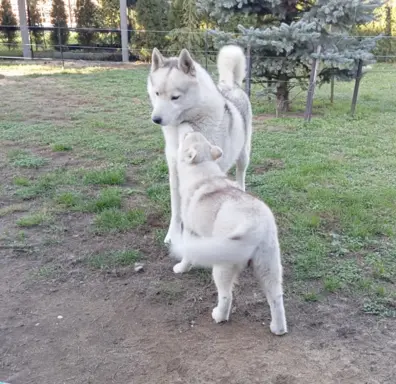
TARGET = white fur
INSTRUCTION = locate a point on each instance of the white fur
(207, 250)
(224, 228)
(222, 113)
(231, 67)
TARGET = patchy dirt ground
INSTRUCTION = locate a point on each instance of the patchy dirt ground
(63, 322)
(155, 327)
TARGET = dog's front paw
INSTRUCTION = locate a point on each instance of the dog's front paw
(278, 329)
(173, 234)
(180, 267)
(168, 239)
(218, 316)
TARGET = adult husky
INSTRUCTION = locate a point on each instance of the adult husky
(225, 228)
(184, 97)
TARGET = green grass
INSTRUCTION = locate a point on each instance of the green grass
(311, 296)
(114, 259)
(45, 185)
(58, 147)
(33, 219)
(69, 199)
(116, 220)
(330, 183)
(108, 198)
(76, 201)
(24, 159)
(105, 177)
(21, 181)
(49, 271)
(332, 284)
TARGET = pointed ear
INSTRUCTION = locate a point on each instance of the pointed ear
(216, 152)
(191, 154)
(157, 60)
(186, 63)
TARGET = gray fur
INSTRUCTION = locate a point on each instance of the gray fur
(185, 98)
(230, 227)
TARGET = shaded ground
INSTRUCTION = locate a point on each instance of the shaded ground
(84, 196)
(120, 329)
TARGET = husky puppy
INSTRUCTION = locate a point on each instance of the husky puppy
(225, 228)
(184, 97)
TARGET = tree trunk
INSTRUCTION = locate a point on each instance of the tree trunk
(388, 26)
(282, 96)
(388, 19)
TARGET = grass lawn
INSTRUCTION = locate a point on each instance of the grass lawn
(331, 183)
(79, 154)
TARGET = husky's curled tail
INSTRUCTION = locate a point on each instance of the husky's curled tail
(208, 251)
(231, 64)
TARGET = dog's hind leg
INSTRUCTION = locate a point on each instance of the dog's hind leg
(224, 278)
(242, 164)
(268, 269)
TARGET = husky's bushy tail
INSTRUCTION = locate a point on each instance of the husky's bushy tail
(207, 251)
(231, 64)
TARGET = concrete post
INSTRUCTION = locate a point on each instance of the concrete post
(124, 31)
(27, 53)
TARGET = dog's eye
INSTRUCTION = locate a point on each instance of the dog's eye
(157, 93)
(174, 97)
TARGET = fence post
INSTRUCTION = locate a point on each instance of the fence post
(206, 49)
(311, 88)
(27, 53)
(29, 29)
(124, 31)
(356, 89)
(61, 46)
(249, 70)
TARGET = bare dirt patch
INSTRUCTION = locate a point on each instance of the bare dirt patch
(153, 327)
(269, 164)
(62, 321)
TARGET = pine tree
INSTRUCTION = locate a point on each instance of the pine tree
(109, 13)
(8, 19)
(59, 20)
(152, 16)
(109, 17)
(35, 22)
(176, 14)
(86, 17)
(388, 28)
(288, 32)
(185, 22)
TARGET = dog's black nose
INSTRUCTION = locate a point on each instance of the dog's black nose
(157, 120)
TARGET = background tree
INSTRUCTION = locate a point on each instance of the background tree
(109, 17)
(35, 21)
(8, 19)
(287, 33)
(385, 24)
(109, 13)
(389, 28)
(59, 20)
(185, 24)
(86, 17)
(176, 14)
(151, 16)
